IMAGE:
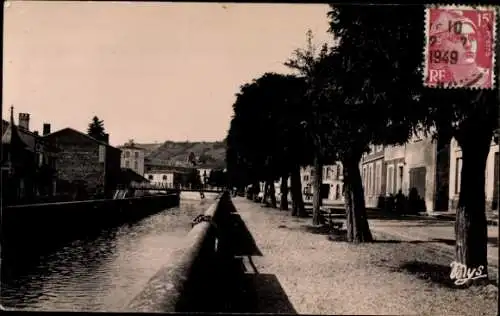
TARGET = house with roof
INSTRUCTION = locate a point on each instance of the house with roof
(86, 167)
(171, 176)
(28, 163)
(133, 157)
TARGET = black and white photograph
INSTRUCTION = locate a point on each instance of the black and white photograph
(277, 158)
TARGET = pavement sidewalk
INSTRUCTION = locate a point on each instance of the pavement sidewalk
(298, 269)
(440, 235)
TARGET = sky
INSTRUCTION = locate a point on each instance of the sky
(151, 71)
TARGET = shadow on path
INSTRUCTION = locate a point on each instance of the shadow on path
(248, 291)
(435, 273)
(239, 240)
(245, 289)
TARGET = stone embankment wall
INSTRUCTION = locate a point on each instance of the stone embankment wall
(32, 228)
(193, 280)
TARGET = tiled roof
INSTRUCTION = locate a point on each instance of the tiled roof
(78, 132)
(12, 135)
(129, 174)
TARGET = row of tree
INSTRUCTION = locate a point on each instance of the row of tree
(367, 89)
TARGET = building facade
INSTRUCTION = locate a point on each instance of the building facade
(430, 167)
(204, 174)
(394, 170)
(132, 157)
(161, 177)
(372, 174)
(28, 163)
(172, 176)
(427, 171)
(85, 166)
(333, 186)
(420, 166)
(491, 174)
(306, 177)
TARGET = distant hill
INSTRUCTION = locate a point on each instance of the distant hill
(149, 147)
(208, 154)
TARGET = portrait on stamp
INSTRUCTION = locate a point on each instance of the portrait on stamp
(459, 47)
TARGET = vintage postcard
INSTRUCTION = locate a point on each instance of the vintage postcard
(182, 157)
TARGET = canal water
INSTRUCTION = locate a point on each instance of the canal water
(106, 272)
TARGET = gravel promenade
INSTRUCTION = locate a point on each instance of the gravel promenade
(303, 271)
(436, 234)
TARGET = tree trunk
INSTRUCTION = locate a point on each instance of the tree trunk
(298, 208)
(284, 193)
(471, 230)
(356, 219)
(317, 181)
(255, 190)
(266, 193)
(272, 193)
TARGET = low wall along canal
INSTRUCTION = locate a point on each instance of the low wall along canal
(28, 230)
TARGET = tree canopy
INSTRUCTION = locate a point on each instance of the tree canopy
(265, 134)
(96, 129)
(368, 89)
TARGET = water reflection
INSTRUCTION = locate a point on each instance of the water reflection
(103, 273)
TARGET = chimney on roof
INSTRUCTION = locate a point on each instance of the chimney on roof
(24, 121)
(106, 138)
(46, 129)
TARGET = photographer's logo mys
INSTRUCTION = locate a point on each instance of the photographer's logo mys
(461, 274)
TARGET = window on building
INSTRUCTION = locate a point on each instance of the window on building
(339, 171)
(136, 155)
(165, 177)
(372, 179)
(368, 180)
(378, 177)
(127, 154)
(365, 179)
(150, 177)
(458, 171)
(136, 165)
(390, 179)
(102, 153)
(399, 185)
(496, 181)
(127, 164)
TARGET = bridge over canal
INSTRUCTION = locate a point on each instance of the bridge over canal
(160, 187)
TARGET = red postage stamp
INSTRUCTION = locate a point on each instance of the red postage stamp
(460, 47)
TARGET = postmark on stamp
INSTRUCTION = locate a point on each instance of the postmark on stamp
(460, 47)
